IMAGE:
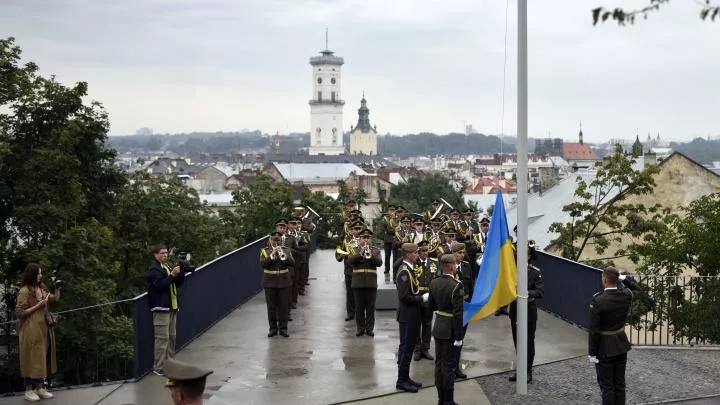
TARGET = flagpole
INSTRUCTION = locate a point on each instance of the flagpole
(522, 199)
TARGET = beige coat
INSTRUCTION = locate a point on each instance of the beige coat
(34, 334)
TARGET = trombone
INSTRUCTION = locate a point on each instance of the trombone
(441, 207)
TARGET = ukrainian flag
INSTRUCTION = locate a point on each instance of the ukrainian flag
(496, 284)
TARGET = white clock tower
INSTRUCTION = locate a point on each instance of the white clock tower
(326, 115)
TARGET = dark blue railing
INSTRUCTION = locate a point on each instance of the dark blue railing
(569, 286)
(207, 296)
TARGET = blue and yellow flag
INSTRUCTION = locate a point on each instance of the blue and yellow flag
(496, 284)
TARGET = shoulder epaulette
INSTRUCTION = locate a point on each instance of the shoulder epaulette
(433, 259)
(598, 293)
(463, 261)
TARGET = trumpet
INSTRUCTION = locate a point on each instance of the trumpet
(367, 252)
(282, 255)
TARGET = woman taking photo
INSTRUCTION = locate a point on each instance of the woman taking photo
(37, 339)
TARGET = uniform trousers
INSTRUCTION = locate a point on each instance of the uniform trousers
(278, 307)
(349, 296)
(423, 341)
(408, 334)
(532, 324)
(305, 273)
(388, 252)
(297, 277)
(458, 350)
(445, 370)
(396, 255)
(365, 308)
(611, 378)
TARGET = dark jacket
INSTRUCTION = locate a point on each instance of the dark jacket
(536, 289)
(465, 276)
(426, 272)
(159, 282)
(409, 297)
(364, 271)
(276, 272)
(608, 315)
(446, 298)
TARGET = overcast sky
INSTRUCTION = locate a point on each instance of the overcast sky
(425, 65)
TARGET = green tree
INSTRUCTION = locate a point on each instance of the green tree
(327, 226)
(259, 205)
(686, 243)
(623, 16)
(601, 213)
(417, 194)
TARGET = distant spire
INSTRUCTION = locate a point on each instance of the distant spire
(580, 135)
(326, 39)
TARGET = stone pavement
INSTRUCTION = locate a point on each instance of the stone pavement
(323, 362)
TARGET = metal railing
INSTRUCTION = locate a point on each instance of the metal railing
(208, 295)
(569, 286)
(670, 311)
(676, 310)
(86, 357)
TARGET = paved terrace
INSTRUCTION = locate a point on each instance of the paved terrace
(323, 362)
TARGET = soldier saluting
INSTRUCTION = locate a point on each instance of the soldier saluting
(607, 342)
(446, 299)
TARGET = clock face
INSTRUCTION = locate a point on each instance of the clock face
(319, 80)
(332, 80)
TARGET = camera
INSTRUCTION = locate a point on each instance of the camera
(184, 262)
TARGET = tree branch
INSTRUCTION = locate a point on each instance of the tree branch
(622, 17)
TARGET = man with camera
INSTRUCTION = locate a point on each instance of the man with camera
(163, 284)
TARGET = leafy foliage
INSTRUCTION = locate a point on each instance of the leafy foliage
(624, 17)
(601, 213)
(417, 194)
(328, 208)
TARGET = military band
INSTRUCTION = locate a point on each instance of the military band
(435, 257)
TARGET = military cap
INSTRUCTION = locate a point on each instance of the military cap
(281, 221)
(351, 202)
(293, 221)
(275, 236)
(365, 232)
(448, 259)
(299, 207)
(391, 207)
(357, 224)
(484, 221)
(418, 220)
(409, 247)
(406, 219)
(178, 372)
(448, 231)
(457, 247)
(469, 211)
(400, 208)
(436, 220)
(436, 202)
(358, 212)
(423, 244)
(455, 211)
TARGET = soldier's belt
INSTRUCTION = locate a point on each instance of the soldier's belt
(611, 332)
(426, 289)
(275, 271)
(443, 313)
(364, 270)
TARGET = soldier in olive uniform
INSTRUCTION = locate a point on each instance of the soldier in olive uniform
(397, 253)
(307, 226)
(289, 242)
(435, 237)
(276, 260)
(435, 205)
(607, 342)
(388, 225)
(425, 270)
(463, 273)
(300, 256)
(185, 382)
(535, 287)
(364, 262)
(409, 316)
(347, 247)
(446, 299)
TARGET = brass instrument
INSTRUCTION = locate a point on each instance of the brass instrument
(367, 252)
(282, 239)
(281, 254)
(441, 207)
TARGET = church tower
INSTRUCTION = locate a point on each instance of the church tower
(363, 138)
(326, 115)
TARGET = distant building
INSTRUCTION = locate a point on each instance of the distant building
(363, 137)
(579, 154)
(549, 147)
(326, 106)
(170, 167)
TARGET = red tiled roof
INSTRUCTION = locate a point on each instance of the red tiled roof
(578, 151)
